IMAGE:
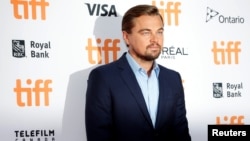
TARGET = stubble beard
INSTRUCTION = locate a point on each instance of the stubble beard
(149, 55)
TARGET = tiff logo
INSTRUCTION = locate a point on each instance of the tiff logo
(222, 55)
(22, 8)
(172, 11)
(231, 120)
(30, 95)
(102, 52)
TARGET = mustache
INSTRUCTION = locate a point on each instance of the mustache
(154, 45)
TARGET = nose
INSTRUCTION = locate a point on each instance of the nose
(154, 38)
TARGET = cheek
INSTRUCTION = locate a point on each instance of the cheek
(138, 42)
(141, 44)
(161, 42)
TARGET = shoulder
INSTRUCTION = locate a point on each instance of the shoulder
(103, 69)
(169, 74)
(116, 65)
(165, 70)
(110, 68)
(170, 77)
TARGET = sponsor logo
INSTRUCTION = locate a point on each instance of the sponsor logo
(172, 52)
(231, 120)
(26, 9)
(217, 90)
(170, 11)
(232, 90)
(104, 10)
(228, 53)
(37, 49)
(213, 14)
(101, 53)
(34, 135)
(31, 95)
(18, 48)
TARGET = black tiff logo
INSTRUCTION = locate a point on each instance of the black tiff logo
(18, 48)
(217, 90)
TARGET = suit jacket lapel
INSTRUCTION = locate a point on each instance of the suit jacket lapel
(164, 90)
(162, 98)
(130, 80)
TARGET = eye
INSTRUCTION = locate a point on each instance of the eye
(146, 33)
(159, 32)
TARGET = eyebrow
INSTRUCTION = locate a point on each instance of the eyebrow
(146, 29)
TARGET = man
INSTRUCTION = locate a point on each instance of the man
(134, 98)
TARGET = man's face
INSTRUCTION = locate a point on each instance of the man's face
(146, 39)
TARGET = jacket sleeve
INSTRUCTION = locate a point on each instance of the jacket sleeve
(181, 122)
(98, 118)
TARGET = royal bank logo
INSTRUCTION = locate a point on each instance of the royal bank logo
(231, 90)
(33, 49)
(217, 90)
(18, 48)
(225, 19)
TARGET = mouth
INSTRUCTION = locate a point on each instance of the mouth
(154, 47)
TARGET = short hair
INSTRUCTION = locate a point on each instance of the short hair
(135, 12)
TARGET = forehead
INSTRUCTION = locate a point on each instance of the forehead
(148, 21)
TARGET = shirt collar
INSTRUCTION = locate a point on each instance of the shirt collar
(136, 67)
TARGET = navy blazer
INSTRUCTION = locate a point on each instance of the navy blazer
(116, 110)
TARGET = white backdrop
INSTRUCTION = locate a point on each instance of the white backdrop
(48, 47)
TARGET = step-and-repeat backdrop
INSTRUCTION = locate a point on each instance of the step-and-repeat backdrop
(48, 47)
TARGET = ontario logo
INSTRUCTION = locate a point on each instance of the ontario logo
(212, 14)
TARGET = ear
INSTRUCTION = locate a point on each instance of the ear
(125, 37)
